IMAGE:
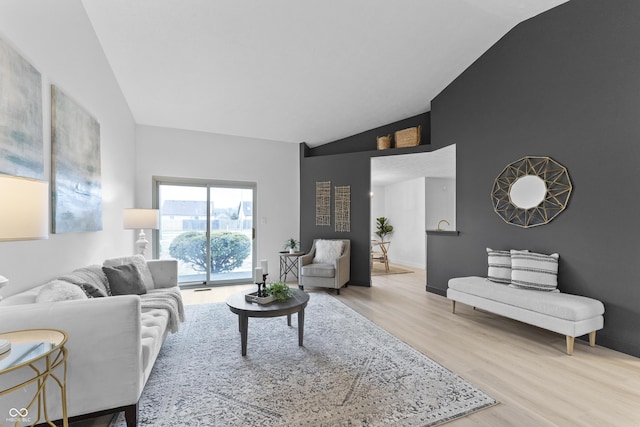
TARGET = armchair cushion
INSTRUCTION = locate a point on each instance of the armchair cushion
(327, 251)
(319, 270)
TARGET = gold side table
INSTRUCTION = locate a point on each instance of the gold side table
(43, 351)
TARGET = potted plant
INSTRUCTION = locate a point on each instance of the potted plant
(383, 227)
(279, 290)
(291, 244)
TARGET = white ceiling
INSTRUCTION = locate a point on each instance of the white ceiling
(386, 170)
(290, 70)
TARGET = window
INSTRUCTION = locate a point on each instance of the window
(208, 226)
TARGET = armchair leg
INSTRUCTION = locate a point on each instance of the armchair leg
(338, 291)
(301, 287)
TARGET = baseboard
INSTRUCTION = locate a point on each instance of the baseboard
(407, 263)
(441, 292)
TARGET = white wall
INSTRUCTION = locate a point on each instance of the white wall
(274, 166)
(404, 206)
(440, 196)
(57, 38)
(378, 207)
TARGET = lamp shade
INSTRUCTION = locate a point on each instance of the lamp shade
(24, 208)
(141, 218)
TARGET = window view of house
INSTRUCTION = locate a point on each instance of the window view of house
(209, 230)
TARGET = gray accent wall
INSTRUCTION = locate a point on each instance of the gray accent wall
(348, 162)
(565, 84)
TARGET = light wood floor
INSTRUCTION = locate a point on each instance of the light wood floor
(525, 368)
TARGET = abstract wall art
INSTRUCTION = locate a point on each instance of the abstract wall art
(21, 143)
(343, 208)
(323, 203)
(76, 173)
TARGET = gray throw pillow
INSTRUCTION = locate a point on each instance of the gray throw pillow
(92, 291)
(125, 280)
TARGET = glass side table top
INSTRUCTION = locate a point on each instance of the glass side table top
(29, 345)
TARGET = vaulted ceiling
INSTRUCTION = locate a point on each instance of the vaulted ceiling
(291, 70)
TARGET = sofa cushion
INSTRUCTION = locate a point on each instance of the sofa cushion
(154, 323)
(319, 270)
(327, 251)
(58, 290)
(137, 260)
(530, 270)
(125, 280)
(499, 266)
(554, 304)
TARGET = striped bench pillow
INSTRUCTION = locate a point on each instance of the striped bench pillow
(499, 266)
(530, 270)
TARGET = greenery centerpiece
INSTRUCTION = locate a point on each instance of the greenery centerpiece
(383, 227)
(279, 290)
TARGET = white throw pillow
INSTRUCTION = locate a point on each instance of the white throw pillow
(530, 270)
(59, 290)
(327, 251)
(499, 266)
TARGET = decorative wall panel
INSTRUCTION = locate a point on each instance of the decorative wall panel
(343, 208)
(323, 203)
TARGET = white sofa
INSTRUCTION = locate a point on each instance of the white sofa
(112, 342)
(566, 314)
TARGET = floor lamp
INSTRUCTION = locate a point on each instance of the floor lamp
(24, 211)
(141, 219)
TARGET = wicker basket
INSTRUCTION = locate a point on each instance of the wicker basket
(408, 137)
(384, 142)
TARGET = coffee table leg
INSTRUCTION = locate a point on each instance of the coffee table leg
(288, 320)
(244, 325)
(300, 326)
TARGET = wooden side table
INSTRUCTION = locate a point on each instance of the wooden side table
(289, 264)
(295, 304)
(379, 253)
(43, 351)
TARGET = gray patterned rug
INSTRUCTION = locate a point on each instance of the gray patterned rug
(349, 373)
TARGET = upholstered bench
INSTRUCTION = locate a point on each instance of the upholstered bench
(567, 314)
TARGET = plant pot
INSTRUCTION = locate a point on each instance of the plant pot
(292, 251)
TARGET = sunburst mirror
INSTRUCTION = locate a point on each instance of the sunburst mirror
(531, 191)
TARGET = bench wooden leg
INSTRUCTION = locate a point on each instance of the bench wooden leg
(592, 338)
(570, 341)
(453, 307)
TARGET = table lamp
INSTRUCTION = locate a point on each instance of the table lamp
(134, 219)
(24, 214)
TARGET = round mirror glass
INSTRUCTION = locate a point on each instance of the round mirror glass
(528, 191)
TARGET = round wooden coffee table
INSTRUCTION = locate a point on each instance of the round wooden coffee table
(244, 309)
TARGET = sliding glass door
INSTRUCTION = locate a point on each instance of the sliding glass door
(208, 227)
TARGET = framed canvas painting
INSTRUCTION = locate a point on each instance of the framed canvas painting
(75, 168)
(21, 143)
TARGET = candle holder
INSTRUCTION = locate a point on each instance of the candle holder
(260, 297)
(262, 286)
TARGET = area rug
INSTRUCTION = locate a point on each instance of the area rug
(378, 270)
(350, 372)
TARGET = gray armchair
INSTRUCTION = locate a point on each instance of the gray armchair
(327, 264)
